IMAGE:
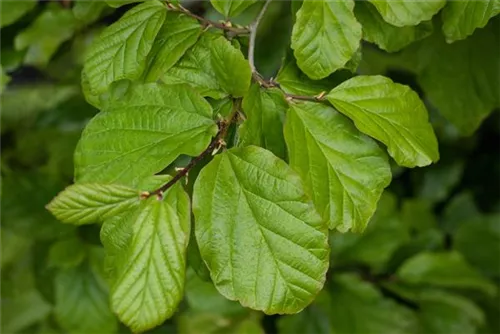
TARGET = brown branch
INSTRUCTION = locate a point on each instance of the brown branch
(208, 23)
(216, 143)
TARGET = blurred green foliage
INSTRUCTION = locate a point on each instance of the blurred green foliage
(429, 261)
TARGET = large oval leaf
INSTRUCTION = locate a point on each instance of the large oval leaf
(402, 13)
(344, 170)
(325, 36)
(147, 249)
(391, 113)
(259, 235)
(121, 50)
(143, 133)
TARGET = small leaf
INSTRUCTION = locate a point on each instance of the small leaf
(231, 8)
(14, 10)
(121, 50)
(44, 36)
(479, 242)
(461, 18)
(293, 81)
(259, 235)
(384, 35)
(345, 183)
(4, 79)
(265, 111)
(142, 133)
(119, 3)
(81, 298)
(401, 13)
(360, 308)
(178, 34)
(443, 269)
(148, 248)
(391, 113)
(67, 253)
(89, 203)
(325, 36)
(210, 67)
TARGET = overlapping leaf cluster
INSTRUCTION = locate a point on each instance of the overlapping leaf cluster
(299, 164)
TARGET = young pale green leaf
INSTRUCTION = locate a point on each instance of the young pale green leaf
(231, 8)
(325, 36)
(258, 233)
(444, 269)
(461, 18)
(88, 11)
(344, 170)
(44, 36)
(402, 13)
(81, 298)
(214, 67)
(89, 203)
(142, 133)
(148, 250)
(293, 81)
(14, 10)
(265, 111)
(385, 35)
(177, 35)
(121, 50)
(391, 113)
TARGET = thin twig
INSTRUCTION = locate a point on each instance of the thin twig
(209, 23)
(214, 145)
(253, 34)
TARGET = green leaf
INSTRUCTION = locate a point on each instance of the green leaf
(315, 319)
(81, 298)
(401, 13)
(13, 246)
(212, 323)
(92, 202)
(148, 247)
(479, 242)
(325, 36)
(177, 35)
(4, 79)
(391, 113)
(460, 209)
(450, 75)
(121, 50)
(461, 18)
(67, 253)
(385, 233)
(438, 181)
(142, 133)
(214, 67)
(231, 8)
(259, 235)
(344, 170)
(45, 34)
(360, 308)
(384, 35)
(88, 11)
(14, 10)
(293, 81)
(202, 296)
(443, 269)
(265, 111)
(119, 3)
